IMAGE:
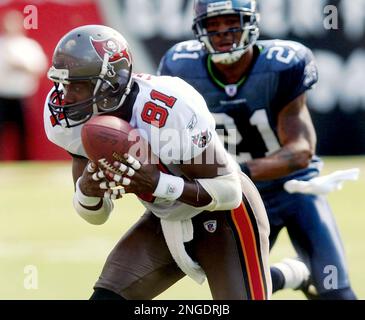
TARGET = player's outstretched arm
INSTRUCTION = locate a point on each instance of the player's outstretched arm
(297, 138)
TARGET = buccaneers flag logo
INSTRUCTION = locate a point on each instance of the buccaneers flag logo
(202, 138)
(116, 50)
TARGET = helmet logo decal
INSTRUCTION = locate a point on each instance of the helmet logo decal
(222, 5)
(116, 50)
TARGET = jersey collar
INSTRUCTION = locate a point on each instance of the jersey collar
(231, 89)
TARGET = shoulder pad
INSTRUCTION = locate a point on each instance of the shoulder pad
(183, 56)
(187, 126)
(284, 55)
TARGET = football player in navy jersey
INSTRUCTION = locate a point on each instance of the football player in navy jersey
(256, 91)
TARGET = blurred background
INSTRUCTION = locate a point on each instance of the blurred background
(38, 226)
(152, 26)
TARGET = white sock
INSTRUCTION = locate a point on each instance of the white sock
(295, 272)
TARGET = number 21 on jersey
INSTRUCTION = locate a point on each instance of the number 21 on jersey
(232, 136)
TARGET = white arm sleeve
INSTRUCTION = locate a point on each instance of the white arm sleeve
(81, 202)
(226, 192)
(96, 217)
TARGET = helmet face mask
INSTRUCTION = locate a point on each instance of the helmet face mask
(78, 112)
(98, 56)
(245, 10)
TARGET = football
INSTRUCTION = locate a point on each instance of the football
(109, 138)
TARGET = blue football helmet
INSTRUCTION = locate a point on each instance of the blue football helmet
(249, 17)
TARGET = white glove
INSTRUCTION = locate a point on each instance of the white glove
(322, 185)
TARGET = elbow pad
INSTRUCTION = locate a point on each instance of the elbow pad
(226, 192)
(97, 217)
(94, 216)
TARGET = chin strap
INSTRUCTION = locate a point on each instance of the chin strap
(103, 72)
(126, 92)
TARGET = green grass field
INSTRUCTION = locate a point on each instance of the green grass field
(41, 232)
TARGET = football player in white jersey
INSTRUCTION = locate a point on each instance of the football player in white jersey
(203, 218)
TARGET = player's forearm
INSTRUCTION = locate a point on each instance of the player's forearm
(218, 193)
(176, 188)
(280, 164)
(195, 195)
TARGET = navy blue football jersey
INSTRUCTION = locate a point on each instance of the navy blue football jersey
(246, 113)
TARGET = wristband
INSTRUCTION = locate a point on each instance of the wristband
(169, 187)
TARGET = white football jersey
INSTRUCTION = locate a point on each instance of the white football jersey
(170, 114)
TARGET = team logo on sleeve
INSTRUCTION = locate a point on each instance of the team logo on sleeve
(210, 225)
(202, 138)
(114, 48)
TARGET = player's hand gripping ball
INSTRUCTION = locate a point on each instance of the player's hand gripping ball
(108, 139)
